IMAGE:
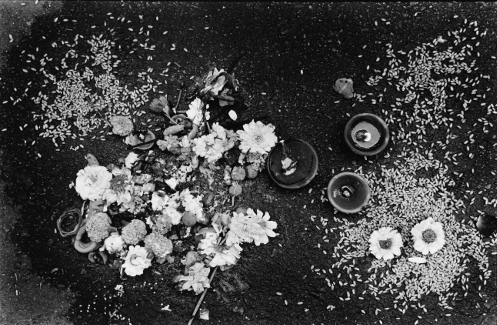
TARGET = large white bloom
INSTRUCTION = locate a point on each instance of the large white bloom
(92, 181)
(385, 243)
(257, 137)
(428, 236)
(136, 261)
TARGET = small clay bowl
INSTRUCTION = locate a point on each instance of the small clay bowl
(366, 134)
(306, 164)
(149, 141)
(348, 192)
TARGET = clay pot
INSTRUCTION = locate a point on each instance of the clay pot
(135, 141)
(366, 134)
(348, 192)
(304, 160)
(486, 225)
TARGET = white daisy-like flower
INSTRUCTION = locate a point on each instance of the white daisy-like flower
(385, 243)
(428, 236)
(262, 218)
(256, 137)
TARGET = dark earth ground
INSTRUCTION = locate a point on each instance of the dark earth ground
(295, 52)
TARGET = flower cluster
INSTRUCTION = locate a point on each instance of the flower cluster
(428, 237)
(213, 145)
(152, 209)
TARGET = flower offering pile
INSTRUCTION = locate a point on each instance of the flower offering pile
(154, 205)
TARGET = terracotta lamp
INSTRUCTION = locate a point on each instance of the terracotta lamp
(486, 225)
(141, 141)
(292, 163)
(348, 192)
(366, 134)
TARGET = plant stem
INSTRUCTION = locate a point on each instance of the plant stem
(202, 296)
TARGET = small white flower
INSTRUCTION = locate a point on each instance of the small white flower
(172, 183)
(130, 160)
(428, 236)
(136, 261)
(385, 243)
(194, 111)
(113, 244)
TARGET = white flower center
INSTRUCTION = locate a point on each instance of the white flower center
(93, 178)
(429, 236)
(259, 139)
(118, 183)
(385, 244)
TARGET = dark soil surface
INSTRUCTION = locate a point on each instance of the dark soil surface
(294, 54)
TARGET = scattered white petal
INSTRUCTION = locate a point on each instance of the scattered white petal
(232, 115)
(416, 259)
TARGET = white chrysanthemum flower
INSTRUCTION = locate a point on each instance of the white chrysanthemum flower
(428, 236)
(385, 243)
(257, 137)
(92, 181)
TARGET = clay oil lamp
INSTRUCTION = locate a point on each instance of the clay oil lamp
(292, 163)
(366, 134)
(486, 225)
(141, 140)
(348, 192)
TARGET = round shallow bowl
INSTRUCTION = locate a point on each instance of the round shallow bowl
(148, 137)
(306, 164)
(486, 225)
(377, 127)
(348, 192)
